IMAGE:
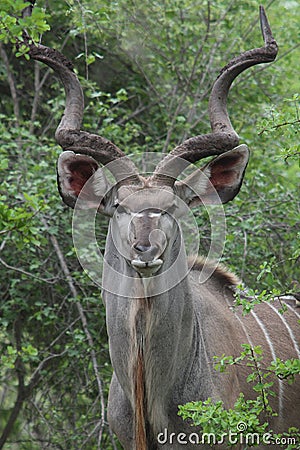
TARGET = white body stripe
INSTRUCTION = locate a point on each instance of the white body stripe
(245, 331)
(290, 331)
(273, 353)
(293, 310)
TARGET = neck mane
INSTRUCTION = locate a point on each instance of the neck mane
(151, 339)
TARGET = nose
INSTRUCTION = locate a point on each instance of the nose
(146, 261)
(139, 248)
(150, 247)
(146, 252)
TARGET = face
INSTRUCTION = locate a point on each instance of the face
(143, 224)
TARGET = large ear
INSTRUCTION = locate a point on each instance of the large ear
(73, 171)
(223, 176)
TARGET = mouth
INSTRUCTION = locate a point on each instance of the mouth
(148, 268)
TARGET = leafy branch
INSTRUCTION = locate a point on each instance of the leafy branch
(17, 16)
(284, 119)
(213, 418)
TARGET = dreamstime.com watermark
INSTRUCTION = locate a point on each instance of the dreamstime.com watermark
(240, 436)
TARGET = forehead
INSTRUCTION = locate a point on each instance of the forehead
(138, 199)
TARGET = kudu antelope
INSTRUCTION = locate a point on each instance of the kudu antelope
(162, 340)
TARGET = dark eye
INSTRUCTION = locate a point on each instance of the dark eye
(120, 209)
(170, 210)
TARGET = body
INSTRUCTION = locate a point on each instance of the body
(182, 332)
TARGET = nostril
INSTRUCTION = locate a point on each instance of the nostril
(142, 248)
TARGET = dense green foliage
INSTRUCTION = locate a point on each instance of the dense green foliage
(247, 421)
(146, 70)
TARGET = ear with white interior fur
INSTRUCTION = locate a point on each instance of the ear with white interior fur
(219, 181)
(73, 171)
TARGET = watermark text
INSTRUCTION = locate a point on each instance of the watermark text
(240, 436)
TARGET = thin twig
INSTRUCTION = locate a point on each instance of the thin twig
(22, 392)
(28, 274)
(12, 84)
(83, 319)
(279, 125)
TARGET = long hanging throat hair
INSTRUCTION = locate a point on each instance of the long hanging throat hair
(140, 317)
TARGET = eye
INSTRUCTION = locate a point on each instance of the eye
(120, 209)
(170, 210)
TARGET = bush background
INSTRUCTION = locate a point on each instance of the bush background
(146, 70)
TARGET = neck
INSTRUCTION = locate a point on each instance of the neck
(150, 335)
